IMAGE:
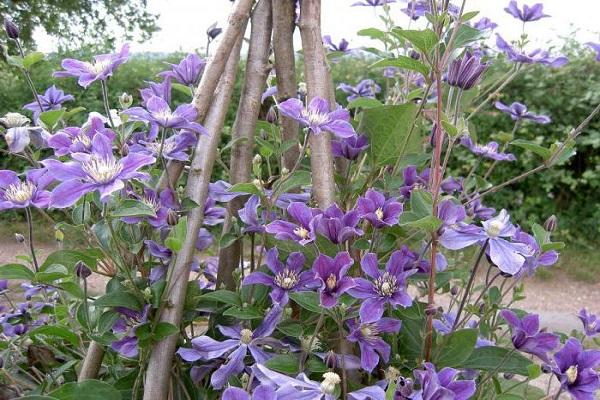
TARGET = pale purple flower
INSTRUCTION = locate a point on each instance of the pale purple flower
(127, 324)
(490, 150)
(385, 287)
(485, 24)
(204, 240)
(378, 210)
(537, 56)
(342, 46)
(286, 278)
(476, 209)
(100, 68)
(303, 231)
(413, 180)
(158, 112)
(591, 323)
(79, 140)
(269, 92)
(596, 48)
(518, 112)
(208, 275)
(365, 88)
(537, 257)
(29, 192)
(236, 348)
(416, 9)
(317, 117)
(527, 13)
(372, 3)
(188, 71)
(100, 170)
(52, 99)
(31, 290)
(350, 147)
(261, 392)
(3, 285)
(576, 370)
(338, 226)
(465, 72)
(162, 90)
(368, 336)
(526, 335)
(161, 203)
(213, 214)
(249, 216)
(331, 275)
(219, 191)
(19, 135)
(442, 385)
(173, 148)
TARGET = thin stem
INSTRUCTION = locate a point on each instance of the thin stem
(344, 375)
(31, 245)
(105, 101)
(304, 354)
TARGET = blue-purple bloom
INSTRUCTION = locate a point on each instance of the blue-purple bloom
(385, 287)
(537, 257)
(249, 216)
(161, 203)
(318, 118)
(466, 72)
(303, 231)
(100, 68)
(188, 71)
(342, 46)
(52, 99)
(368, 336)
(528, 13)
(372, 3)
(79, 140)
(596, 48)
(490, 150)
(338, 226)
(350, 147)
(262, 392)
(537, 56)
(127, 324)
(576, 370)
(365, 88)
(591, 323)
(378, 210)
(162, 90)
(526, 335)
(442, 385)
(518, 112)
(30, 192)
(286, 278)
(100, 170)
(485, 24)
(331, 275)
(173, 147)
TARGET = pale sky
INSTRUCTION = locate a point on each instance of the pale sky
(183, 22)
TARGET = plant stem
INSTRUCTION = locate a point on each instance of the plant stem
(30, 239)
(304, 354)
(106, 104)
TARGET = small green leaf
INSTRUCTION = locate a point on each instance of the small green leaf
(245, 313)
(291, 328)
(119, 298)
(423, 40)
(307, 300)
(32, 58)
(133, 208)
(541, 151)
(403, 62)
(51, 118)
(421, 203)
(534, 371)
(16, 271)
(499, 359)
(250, 188)
(298, 179)
(553, 246)
(284, 363)
(86, 390)
(364, 102)
(428, 223)
(56, 331)
(177, 235)
(164, 329)
(51, 273)
(223, 296)
(373, 33)
(457, 348)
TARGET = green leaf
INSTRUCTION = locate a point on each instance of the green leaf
(553, 246)
(284, 363)
(74, 111)
(373, 33)
(182, 89)
(428, 223)
(469, 15)
(16, 271)
(364, 102)
(491, 358)
(421, 203)
(223, 296)
(533, 147)
(51, 118)
(87, 390)
(119, 298)
(467, 34)
(32, 58)
(69, 258)
(250, 188)
(297, 179)
(534, 371)
(291, 328)
(164, 329)
(307, 300)
(244, 313)
(51, 273)
(56, 331)
(177, 235)
(403, 62)
(227, 240)
(424, 40)
(457, 347)
(133, 208)
(387, 128)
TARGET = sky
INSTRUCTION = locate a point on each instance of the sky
(183, 22)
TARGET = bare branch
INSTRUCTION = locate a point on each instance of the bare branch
(92, 362)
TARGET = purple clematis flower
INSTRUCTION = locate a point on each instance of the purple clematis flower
(159, 113)
(262, 392)
(538, 257)
(528, 13)
(350, 147)
(161, 203)
(30, 192)
(489, 150)
(129, 321)
(331, 275)
(442, 385)
(338, 226)
(286, 278)
(413, 180)
(518, 112)
(213, 214)
(377, 210)
(249, 216)
(162, 90)
(368, 336)
(99, 170)
(416, 9)
(596, 48)
(445, 326)
(173, 148)
(537, 56)
(52, 99)
(372, 3)
(591, 323)
(365, 88)
(317, 117)
(219, 191)
(101, 68)
(343, 46)
(303, 231)
(575, 369)
(466, 72)
(476, 209)
(526, 335)
(79, 140)
(236, 348)
(188, 71)
(386, 287)
(485, 24)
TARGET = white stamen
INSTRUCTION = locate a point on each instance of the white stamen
(379, 213)
(246, 336)
(102, 170)
(316, 118)
(330, 380)
(301, 232)
(98, 67)
(19, 192)
(572, 373)
(494, 228)
(286, 279)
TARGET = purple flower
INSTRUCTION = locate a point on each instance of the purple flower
(372, 3)
(518, 112)
(159, 113)
(213, 214)
(445, 326)
(526, 335)
(416, 9)
(3, 285)
(368, 337)
(596, 48)
(303, 231)
(365, 88)
(537, 257)
(79, 140)
(52, 99)
(262, 392)
(442, 384)
(476, 209)
(377, 210)
(30, 192)
(342, 46)
(173, 148)
(338, 226)
(286, 278)
(537, 56)
(236, 348)
(188, 71)
(485, 24)
(509, 257)
(162, 90)
(350, 147)
(249, 216)
(413, 180)
(591, 323)
(385, 287)
(100, 68)
(331, 275)
(99, 171)
(161, 203)
(466, 72)
(208, 276)
(317, 117)
(527, 14)
(127, 324)
(575, 369)
(489, 150)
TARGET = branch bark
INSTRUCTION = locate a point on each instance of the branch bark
(158, 375)
(92, 362)
(318, 83)
(284, 16)
(257, 69)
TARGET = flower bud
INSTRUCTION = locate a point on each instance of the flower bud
(414, 55)
(430, 310)
(546, 369)
(59, 236)
(454, 290)
(19, 238)
(124, 150)
(82, 270)
(508, 375)
(12, 30)
(147, 293)
(330, 380)
(551, 223)
(213, 31)
(257, 160)
(331, 360)
(302, 89)
(172, 217)
(271, 115)
(125, 100)
(284, 171)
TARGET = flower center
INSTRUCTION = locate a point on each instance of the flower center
(386, 285)
(494, 228)
(152, 203)
(330, 380)
(331, 282)
(301, 232)
(19, 192)
(168, 147)
(572, 373)
(286, 279)
(316, 118)
(379, 213)
(83, 139)
(102, 170)
(163, 116)
(98, 67)
(246, 336)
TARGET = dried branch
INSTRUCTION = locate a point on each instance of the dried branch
(92, 362)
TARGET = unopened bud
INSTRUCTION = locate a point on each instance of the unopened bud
(330, 380)
(147, 293)
(271, 115)
(82, 270)
(551, 223)
(12, 30)
(125, 100)
(59, 236)
(19, 238)
(414, 55)
(302, 88)
(172, 217)
(430, 310)
(331, 360)
(546, 369)
(124, 150)
(454, 290)
(257, 160)
(508, 375)
(284, 171)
